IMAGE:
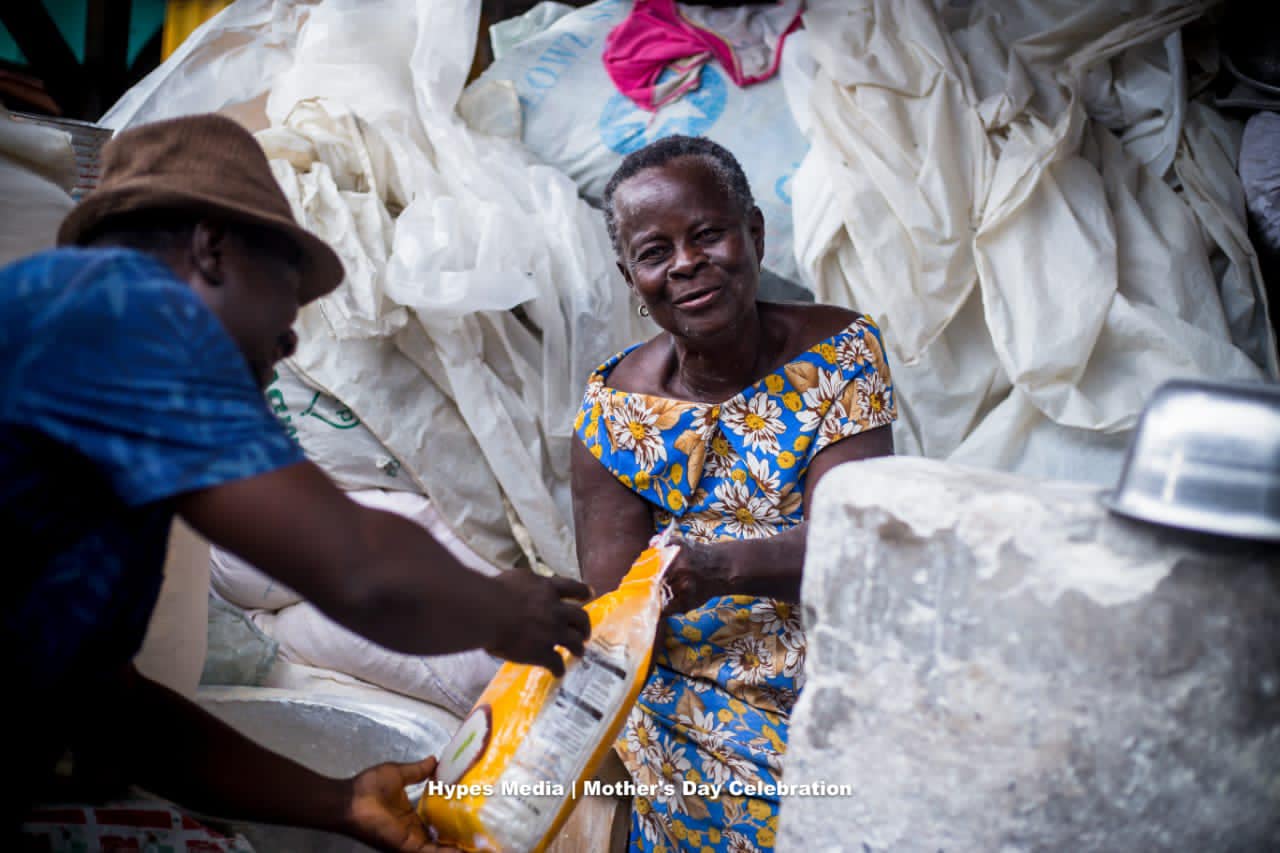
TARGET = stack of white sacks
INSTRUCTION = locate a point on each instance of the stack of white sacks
(306, 636)
(359, 463)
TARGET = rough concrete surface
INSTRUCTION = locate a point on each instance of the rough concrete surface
(1000, 665)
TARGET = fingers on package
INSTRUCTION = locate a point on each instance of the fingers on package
(510, 777)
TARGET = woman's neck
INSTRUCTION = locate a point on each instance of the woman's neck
(715, 370)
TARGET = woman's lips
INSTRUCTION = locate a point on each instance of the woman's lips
(698, 299)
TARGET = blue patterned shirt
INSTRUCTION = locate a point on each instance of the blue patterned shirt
(119, 390)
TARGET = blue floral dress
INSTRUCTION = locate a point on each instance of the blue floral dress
(715, 708)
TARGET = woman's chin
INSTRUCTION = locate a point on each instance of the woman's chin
(716, 321)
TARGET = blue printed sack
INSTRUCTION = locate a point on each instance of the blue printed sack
(573, 118)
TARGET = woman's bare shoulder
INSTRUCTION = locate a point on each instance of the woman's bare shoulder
(641, 370)
(808, 323)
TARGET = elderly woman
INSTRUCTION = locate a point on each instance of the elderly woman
(720, 427)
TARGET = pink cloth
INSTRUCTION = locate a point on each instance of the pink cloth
(658, 36)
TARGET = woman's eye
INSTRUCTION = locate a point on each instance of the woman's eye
(709, 234)
(649, 255)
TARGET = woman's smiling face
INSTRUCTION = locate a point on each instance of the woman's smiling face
(687, 247)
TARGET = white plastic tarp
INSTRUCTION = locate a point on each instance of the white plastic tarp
(227, 64)
(1038, 272)
(332, 436)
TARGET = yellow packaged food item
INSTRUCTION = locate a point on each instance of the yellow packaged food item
(510, 776)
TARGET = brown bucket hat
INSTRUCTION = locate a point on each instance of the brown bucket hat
(201, 163)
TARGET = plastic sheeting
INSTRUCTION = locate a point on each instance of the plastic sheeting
(227, 64)
(332, 436)
(480, 290)
(1260, 174)
(1044, 225)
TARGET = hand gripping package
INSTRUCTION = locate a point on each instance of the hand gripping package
(509, 778)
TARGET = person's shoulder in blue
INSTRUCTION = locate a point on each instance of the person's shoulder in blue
(132, 363)
(110, 353)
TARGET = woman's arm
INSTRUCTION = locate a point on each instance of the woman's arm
(764, 567)
(612, 523)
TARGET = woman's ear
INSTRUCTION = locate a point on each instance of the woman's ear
(626, 274)
(755, 222)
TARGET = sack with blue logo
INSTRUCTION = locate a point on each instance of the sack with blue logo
(573, 118)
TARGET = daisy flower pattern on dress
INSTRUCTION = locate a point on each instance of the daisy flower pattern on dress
(707, 422)
(658, 691)
(819, 399)
(597, 392)
(671, 762)
(853, 352)
(715, 771)
(633, 426)
(835, 427)
(721, 457)
(747, 516)
(739, 843)
(750, 660)
(642, 738)
(758, 420)
(793, 661)
(651, 830)
(703, 726)
(768, 480)
(703, 527)
(775, 617)
(875, 400)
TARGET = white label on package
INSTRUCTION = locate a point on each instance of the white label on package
(558, 745)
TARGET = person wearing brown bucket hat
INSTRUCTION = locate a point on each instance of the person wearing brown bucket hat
(132, 361)
(160, 179)
(204, 164)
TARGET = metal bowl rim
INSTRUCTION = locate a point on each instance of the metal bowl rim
(1196, 520)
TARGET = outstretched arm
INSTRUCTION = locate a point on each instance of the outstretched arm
(171, 747)
(383, 576)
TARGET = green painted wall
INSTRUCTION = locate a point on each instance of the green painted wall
(69, 15)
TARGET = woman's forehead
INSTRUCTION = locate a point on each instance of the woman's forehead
(679, 184)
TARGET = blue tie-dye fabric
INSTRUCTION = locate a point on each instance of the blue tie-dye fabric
(119, 390)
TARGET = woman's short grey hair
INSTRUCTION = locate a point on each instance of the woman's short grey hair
(724, 165)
